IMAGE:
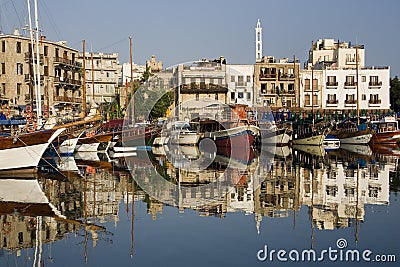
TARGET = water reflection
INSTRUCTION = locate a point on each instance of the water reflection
(89, 198)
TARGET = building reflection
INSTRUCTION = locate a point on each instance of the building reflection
(335, 186)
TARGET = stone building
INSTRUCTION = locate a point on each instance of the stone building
(60, 74)
(276, 83)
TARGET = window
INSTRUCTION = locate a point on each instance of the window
(3, 68)
(3, 46)
(315, 84)
(197, 97)
(331, 81)
(290, 87)
(272, 88)
(263, 88)
(240, 94)
(240, 80)
(363, 78)
(350, 81)
(315, 100)
(232, 78)
(248, 96)
(248, 78)
(233, 95)
(307, 99)
(18, 48)
(216, 96)
(326, 58)
(20, 70)
(46, 51)
(3, 88)
(46, 71)
(363, 97)
(19, 85)
(307, 84)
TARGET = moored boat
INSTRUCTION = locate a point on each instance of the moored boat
(349, 132)
(305, 133)
(386, 131)
(23, 151)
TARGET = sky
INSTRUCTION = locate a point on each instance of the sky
(178, 31)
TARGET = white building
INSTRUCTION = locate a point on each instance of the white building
(336, 84)
(102, 71)
(137, 73)
(340, 90)
(239, 79)
(327, 52)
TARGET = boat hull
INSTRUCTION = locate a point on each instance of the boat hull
(241, 136)
(185, 138)
(362, 139)
(26, 156)
(386, 137)
(278, 137)
(315, 140)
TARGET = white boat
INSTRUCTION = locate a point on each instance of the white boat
(331, 142)
(273, 135)
(25, 194)
(314, 140)
(24, 151)
(182, 134)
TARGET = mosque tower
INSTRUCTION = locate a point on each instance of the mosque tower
(259, 53)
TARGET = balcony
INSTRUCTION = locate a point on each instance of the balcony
(68, 82)
(67, 62)
(28, 58)
(350, 102)
(374, 102)
(308, 88)
(268, 76)
(30, 79)
(350, 84)
(375, 84)
(332, 84)
(332, 103)
(66, 99)
(286, 77)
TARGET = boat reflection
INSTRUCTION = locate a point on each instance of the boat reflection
(335, 186)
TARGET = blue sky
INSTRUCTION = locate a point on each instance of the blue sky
(180, 31)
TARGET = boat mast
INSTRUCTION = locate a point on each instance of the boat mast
(132, 88)
(38, 90)
(84, 76)
(358, 100)
(91, 56)
(312, 81)
(32, 52)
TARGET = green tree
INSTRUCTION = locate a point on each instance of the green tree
(395, 93)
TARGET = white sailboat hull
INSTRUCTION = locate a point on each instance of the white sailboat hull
(315, 140)
(185, 138)
(67, 147)
(93, 147)
(25, 157)
(357, 140)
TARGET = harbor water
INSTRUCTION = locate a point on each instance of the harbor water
(335, 208)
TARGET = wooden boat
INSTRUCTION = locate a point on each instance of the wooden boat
(24, 151)
(308, 133)
(271, 134)
(386, 131)
(351, 132)
(94, 141)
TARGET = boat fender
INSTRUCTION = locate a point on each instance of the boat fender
(30, 129)
(8, 111)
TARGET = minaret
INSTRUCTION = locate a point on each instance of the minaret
(259, 53)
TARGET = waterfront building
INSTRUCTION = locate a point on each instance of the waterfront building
(60, 74)
(200, 81)
(276, 83)
(102, 75)
(340, 55)
(337, 87)
(239, 79)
